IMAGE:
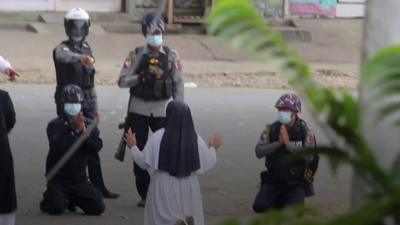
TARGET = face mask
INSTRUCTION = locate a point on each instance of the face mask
(154, 40)
(284, 117)
(72, 109)
(77, 39)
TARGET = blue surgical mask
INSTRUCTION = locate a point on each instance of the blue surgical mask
(284, 117)
(72, 109)
(154, 40)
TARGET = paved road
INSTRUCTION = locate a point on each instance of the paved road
(228, 190)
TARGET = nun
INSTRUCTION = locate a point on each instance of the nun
(176, 154)
(8, 197)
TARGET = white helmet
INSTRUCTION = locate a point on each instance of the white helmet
(76, 24)
(77, 14)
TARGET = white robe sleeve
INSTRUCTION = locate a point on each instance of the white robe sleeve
(148, 158)
(138, 157)
(207, 155)
(4, 64)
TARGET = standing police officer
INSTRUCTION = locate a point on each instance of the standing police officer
(70, 186)
(154, 75)
(74, 62)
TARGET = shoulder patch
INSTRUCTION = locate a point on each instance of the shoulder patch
(130, 59)
(310, 139)
(264, 137)
(128, 62)
(177, 59)
(65, 49)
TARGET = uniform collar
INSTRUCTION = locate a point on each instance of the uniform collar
(77, 46)
(148, 50)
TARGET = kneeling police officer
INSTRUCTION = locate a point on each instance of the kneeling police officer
(285, 183)
(70, 186)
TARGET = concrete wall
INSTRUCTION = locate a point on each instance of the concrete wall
(137, 8)
(269, 7)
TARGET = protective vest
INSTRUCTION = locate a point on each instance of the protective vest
(74, 73)
(278, 167)
(152, 87)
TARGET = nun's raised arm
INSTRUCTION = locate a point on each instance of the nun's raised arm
(207, 155)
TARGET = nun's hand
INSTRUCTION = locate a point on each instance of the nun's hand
(130, 138)
(216, 141)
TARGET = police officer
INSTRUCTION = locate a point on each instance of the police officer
(70, 186)
(154, 75)
(285, 182)
(74, 64)
(8, 197)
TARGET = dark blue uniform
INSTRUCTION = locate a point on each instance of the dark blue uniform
(284, 183)
(70, 186)
(69, 70)
(8, 197)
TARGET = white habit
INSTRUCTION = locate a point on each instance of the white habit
(4, 64)
(169, 198)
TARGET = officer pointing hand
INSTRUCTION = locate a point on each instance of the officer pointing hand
(11, 73)
(6, 68)
(87, 60)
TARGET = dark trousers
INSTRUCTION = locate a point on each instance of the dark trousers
(274, 196)
(59, 195)
(140, 124)
(95, 173)
(94, 163)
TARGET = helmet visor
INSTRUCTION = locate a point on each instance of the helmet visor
(77, 28)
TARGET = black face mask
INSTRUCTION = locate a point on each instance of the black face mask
(77, 30)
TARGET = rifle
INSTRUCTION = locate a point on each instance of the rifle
(120, 153)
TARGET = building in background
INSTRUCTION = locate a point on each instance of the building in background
(192, 8)
(329, 8)
(136, 8)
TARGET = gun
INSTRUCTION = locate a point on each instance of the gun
(120, 153)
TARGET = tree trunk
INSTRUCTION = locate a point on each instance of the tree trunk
(381, 29)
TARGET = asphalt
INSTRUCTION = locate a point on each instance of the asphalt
(228, 190)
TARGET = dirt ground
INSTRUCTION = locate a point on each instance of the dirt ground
(333, 56)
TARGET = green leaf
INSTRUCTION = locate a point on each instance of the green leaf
(336, 156)
(351, 110)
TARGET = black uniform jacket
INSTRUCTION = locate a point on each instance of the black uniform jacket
(61, 137)
(8, 199)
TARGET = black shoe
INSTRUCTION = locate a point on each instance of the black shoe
(110, 195)
(141, 203)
